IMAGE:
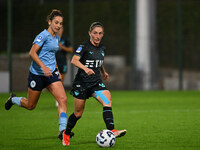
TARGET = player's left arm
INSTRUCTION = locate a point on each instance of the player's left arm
(105, 75)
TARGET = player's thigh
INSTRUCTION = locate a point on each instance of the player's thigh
(58, 91)
(33, 97)
(104, 97)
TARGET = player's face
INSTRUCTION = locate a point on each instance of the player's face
(60, 32)
(56, 24)
(96, 35)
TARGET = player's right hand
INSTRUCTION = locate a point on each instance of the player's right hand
(89, 71)
(47, 71)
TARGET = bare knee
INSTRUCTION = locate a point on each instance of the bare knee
(31, 107)
(107, 105)
(62, 100)
(78, 114)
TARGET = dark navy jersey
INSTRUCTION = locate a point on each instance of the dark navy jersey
(92, 57)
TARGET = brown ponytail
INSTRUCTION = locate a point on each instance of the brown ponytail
(53, 14)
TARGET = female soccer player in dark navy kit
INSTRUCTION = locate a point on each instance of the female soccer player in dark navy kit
(43, 70)
(88, 83)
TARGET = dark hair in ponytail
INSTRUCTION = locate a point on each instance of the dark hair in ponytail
(53, 14)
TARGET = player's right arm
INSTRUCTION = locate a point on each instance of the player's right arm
(76, 62)
(33, 54)
(65, 48)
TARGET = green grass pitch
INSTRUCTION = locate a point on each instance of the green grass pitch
(155, 120)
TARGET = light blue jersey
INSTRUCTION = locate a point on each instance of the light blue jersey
(48, 47)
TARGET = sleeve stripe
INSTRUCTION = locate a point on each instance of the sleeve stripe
(78, 55)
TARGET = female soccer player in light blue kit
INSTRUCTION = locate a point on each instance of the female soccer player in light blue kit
(43, 70)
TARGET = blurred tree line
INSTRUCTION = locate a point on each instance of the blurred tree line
(29, 19)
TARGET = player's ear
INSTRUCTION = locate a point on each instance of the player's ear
(49, 22)
(89, 33)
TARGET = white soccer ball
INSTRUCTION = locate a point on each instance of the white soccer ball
(105, 138)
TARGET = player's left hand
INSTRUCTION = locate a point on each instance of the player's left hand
(105, 76)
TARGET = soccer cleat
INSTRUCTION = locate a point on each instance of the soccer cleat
(65, 139)
(119, 133)
(60, 136)
(9, 103)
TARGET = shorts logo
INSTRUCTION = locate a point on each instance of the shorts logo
(57, 73)
(76, 92)
(102, 85)
(78, 85)
(33, 84)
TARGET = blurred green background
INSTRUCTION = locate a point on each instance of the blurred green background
(172, 68)
(29, 19)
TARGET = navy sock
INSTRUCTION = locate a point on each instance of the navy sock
(71, 123)
(108, 117)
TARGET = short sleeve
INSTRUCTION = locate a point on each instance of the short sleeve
(40, 39)
(80, 50)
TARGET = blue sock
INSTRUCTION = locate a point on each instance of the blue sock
(16, 100)
(62, 121)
